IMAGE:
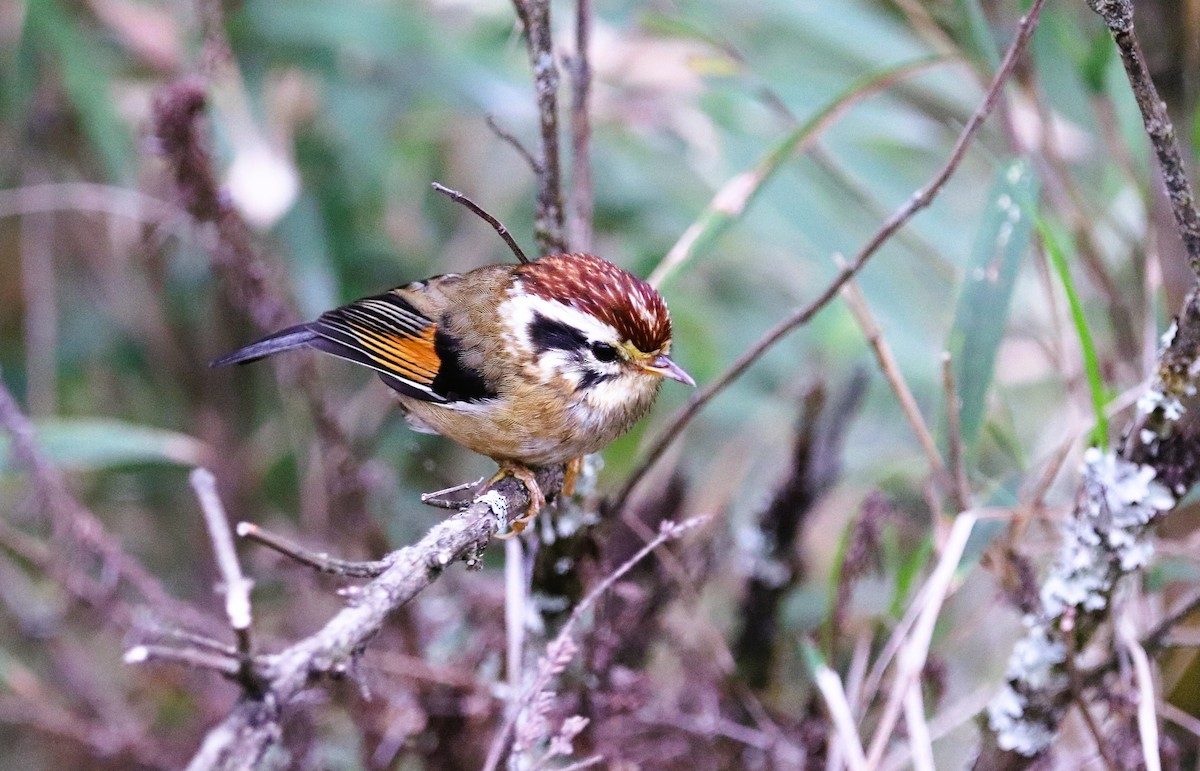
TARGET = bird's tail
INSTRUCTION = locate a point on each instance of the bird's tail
(284, 340)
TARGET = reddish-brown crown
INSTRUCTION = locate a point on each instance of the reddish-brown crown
(596, 286)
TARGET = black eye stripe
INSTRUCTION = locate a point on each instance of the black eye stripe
(546, 333)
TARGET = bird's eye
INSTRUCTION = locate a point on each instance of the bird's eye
(604, 352)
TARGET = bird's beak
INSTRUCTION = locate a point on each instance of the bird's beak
(662, 366)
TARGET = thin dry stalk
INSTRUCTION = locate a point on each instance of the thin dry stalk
(891, 372)
(915, 651)
(317, 560)
(848, 743)
(548, 219)
(1147, 717)
(954, 440)
(919, 200)
(667, 531)
(579, 224)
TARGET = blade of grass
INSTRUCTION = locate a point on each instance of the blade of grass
(983, 307)
(1058, 259)
(736, 195)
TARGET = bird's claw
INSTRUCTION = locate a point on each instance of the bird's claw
(537, 500)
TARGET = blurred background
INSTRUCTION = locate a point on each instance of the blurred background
(327, 122)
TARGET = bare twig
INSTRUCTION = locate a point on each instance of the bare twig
(237, 586)
(891, 372)
(458, 197)
(507, 136)
(954, 442)
(548, 224)
(190, 657)
(252, 727)
(919, 200)
(546, 670)
(579, 224)
(915, 650)
(1118, 15)
(317, 560)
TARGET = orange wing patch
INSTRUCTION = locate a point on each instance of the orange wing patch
(389, 335)
(411, 357)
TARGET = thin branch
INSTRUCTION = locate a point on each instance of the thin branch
(191, 657)
(252, 727)
(548, 224)
(579, 225)
(891, 372)
(919, 200)
(1118, 15)
(317, 560)
(496, 224)
(546, 667)
(954, 441)
(236, 585)
(507, 136)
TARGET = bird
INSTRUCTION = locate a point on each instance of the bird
(531, 364)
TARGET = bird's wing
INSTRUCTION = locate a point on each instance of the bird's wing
(389, 335)
(395, 335)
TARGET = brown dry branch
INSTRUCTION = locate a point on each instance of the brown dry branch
(319, 561)
(921, 199)
(548, 221)
(1123, 494)
(562, 648)
(253, 728)
(254, 288)
(579, 223)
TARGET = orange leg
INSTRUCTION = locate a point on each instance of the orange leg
(571, 476)
(536, 499)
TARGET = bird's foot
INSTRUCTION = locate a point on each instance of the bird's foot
(571, 476)
(537, 499)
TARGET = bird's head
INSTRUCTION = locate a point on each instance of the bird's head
(585, 322)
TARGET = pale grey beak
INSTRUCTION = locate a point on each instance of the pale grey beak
(662, 366)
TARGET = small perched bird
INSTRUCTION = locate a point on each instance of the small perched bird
(530, 364)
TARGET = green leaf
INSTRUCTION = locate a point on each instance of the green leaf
(92, 444)
(983, 307)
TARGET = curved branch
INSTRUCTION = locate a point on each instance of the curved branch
(252, 727)
(801, 316)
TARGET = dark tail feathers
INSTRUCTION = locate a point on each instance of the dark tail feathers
(284, 340)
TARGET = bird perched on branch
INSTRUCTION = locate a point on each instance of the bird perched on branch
(530, 364)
